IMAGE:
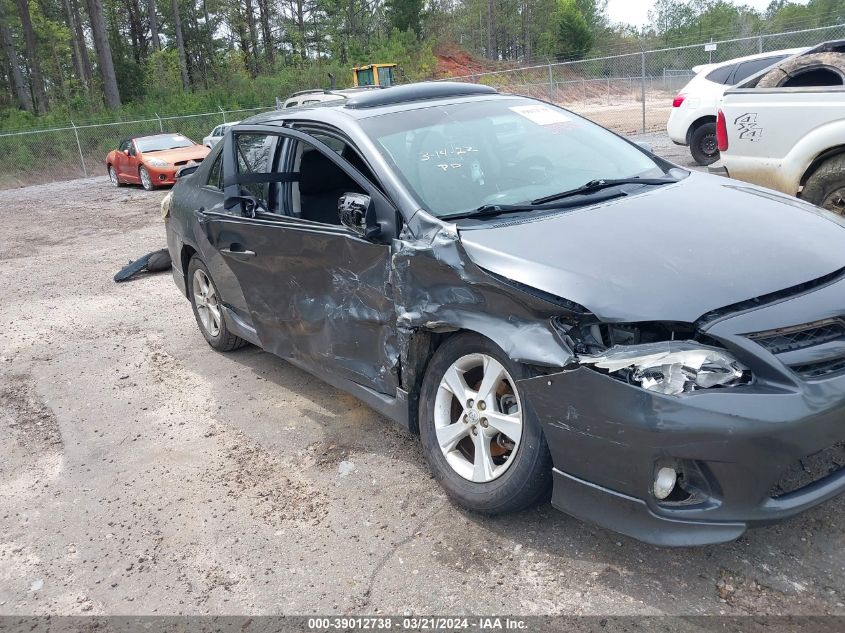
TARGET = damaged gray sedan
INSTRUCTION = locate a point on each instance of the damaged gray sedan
(550, 307)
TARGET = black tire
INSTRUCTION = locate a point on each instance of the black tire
(826, 187)
(224, 340)
(527, 481)
(151, 185)
(703, 146)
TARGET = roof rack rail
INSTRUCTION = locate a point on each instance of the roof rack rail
(417, 92)
(311, 91)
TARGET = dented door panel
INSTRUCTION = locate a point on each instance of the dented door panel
(315, 293)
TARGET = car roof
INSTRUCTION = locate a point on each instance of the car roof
(374, 103)
(736, 60)
(137, 138)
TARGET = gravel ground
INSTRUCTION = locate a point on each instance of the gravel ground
(144, 473)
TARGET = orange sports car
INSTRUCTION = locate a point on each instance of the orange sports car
(152, 161)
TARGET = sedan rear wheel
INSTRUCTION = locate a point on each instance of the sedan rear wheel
(146, 181)
(208, 308)
(208, 305)
(482, 443)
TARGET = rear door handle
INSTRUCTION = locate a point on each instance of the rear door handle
(238, 253)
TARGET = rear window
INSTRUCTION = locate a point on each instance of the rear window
(746, 69)
(721, 75)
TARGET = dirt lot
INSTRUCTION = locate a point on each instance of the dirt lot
(142, 472)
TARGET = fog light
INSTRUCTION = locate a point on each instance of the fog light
(162, 176)
(665, 482)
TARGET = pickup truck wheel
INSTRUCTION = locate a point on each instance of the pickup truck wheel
(208, 308)
(703, 145)
(482, 444)
(826, 187)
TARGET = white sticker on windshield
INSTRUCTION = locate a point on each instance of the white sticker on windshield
(542, 115)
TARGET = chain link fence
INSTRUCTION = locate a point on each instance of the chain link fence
(79, 151)
(632, 93)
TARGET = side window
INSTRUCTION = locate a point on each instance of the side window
(347, 152)
(256, 155)
(320, 184)
(385, 76)
(215, 174)
(746, 69)
(722, 74)
(124, 145)
(216, 131)
(291, 104)
(365, 77)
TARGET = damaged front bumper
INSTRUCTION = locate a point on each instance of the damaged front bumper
(732, 448)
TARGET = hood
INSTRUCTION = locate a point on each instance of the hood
(183, 153)
(673, 253)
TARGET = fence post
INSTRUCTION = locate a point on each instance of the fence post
(551, 85)
(79, 147)
(223, 112)
(760, 44)
(642, 86)
(160, 125)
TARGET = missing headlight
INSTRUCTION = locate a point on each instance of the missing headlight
(671, 367)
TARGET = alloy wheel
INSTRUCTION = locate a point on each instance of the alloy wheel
(835, 201)
(206, 300)
(146, 182)
(113, 176)
(478, 418)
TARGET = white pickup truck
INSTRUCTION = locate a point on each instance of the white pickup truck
(784, 128)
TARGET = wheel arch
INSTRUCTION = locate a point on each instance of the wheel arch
(416, 350)
(185, 256)
(709, 118)
(820, 160)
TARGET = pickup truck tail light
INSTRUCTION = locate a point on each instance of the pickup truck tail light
(721, 132)
(676, 103)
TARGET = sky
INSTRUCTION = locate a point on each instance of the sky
(636, 11)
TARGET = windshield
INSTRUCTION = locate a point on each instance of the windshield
(458, 157)
(162, 142)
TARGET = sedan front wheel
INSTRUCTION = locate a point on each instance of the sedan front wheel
(482, 443)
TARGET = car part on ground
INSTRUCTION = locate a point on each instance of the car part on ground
(155, 262)
(788, 137)
(665, 399)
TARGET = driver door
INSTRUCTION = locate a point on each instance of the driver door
(317, 291)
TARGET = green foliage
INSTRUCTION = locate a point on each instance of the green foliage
(404, 15)
(574, 34)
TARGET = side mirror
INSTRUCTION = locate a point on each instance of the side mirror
(126, 151)
(357, 212)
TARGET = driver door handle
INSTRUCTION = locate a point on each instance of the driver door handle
(238, 253)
